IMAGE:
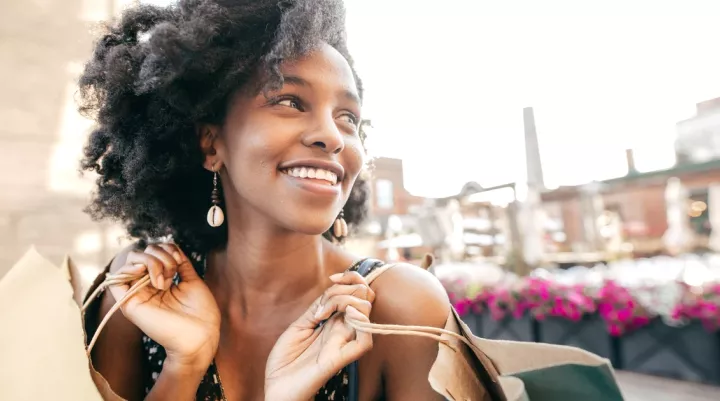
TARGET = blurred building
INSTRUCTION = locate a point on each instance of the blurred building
(388, 196)
(44, 45)
(639, 201)
(698, 138)
(387, 184)
(391, 222)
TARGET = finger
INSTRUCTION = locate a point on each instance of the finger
(185, 268)
(154, 265)
(119, 290)
(339, 303)
(169, 262)
(174, 251)
(348, 277)
(362, 291)
(353, 350)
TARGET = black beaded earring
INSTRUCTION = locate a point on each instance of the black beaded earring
(215, 216)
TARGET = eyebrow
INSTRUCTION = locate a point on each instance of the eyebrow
(295, 80)
(299, 81)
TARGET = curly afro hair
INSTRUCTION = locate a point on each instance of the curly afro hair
(157, 73)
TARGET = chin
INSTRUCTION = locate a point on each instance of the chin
(313, 229)
(303, 223)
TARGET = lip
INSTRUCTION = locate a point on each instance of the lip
(328, 165)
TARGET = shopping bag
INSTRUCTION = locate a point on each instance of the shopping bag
(42, 340)
(518, 371)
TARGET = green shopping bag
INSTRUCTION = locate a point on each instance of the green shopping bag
(497, 370)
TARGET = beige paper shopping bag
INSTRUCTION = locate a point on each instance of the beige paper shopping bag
(518, 371)
(41, 339)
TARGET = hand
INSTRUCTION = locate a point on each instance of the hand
(183, 318)
(308, 354)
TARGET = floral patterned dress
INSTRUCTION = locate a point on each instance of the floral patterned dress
(341, 387)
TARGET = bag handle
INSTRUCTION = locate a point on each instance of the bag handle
(372, 268)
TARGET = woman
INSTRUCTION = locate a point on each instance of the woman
(234, 127)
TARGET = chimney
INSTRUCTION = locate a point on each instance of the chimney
(532, 151)
(630, 157)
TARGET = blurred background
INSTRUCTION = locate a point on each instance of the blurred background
(561, 159)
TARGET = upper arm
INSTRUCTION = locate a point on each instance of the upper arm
(408, 295)
(117, 354)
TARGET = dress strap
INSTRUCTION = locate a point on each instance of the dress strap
(364, 267)
(367, 265)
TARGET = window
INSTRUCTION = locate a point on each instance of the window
(384, 194)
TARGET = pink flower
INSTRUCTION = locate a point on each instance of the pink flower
(624, 315)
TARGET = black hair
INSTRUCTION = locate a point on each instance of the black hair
(158, 72)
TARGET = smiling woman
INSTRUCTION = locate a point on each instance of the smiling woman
(235, 128)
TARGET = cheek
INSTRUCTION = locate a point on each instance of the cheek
(250, 162)
(354, 158)
(252, 147)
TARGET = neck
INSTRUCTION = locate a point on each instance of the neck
(264, 268)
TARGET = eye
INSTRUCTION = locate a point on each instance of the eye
(350, 119)
(288, 101)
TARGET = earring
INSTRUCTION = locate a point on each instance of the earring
(340, 228)
(215, 216)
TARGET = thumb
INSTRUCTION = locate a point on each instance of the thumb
(311, 319)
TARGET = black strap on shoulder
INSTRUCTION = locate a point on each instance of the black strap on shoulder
(366, 266)
(363, 267)
(353, 382)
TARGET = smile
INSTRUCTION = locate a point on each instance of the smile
(313, 174)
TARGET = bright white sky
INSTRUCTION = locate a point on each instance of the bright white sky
(446, 82)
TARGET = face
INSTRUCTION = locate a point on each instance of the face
(292, 156)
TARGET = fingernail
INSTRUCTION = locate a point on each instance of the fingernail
(160, 281)
(319, 312)
(336, 276)
(177, 257)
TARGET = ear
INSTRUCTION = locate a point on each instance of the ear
(211, 145)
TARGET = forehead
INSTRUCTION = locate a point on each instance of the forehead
(324, 67)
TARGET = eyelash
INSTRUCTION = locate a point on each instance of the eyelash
(353, 119)
(276, 102)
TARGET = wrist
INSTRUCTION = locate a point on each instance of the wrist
(178, 381)
(186, 366)
(280, 392)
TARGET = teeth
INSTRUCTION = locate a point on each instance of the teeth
(316, 173)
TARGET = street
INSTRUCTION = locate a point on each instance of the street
(636, 387)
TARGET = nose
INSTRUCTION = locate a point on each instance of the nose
(326, 136)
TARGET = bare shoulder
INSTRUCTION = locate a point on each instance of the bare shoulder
(405, 295)
(410, 295)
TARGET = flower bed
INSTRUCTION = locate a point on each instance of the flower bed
(700, 304)
(654, 326)
(620, 310)
(543, 298)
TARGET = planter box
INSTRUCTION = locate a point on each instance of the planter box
(473, 320)
(589, 334)
(686, 353)
(509, 328)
